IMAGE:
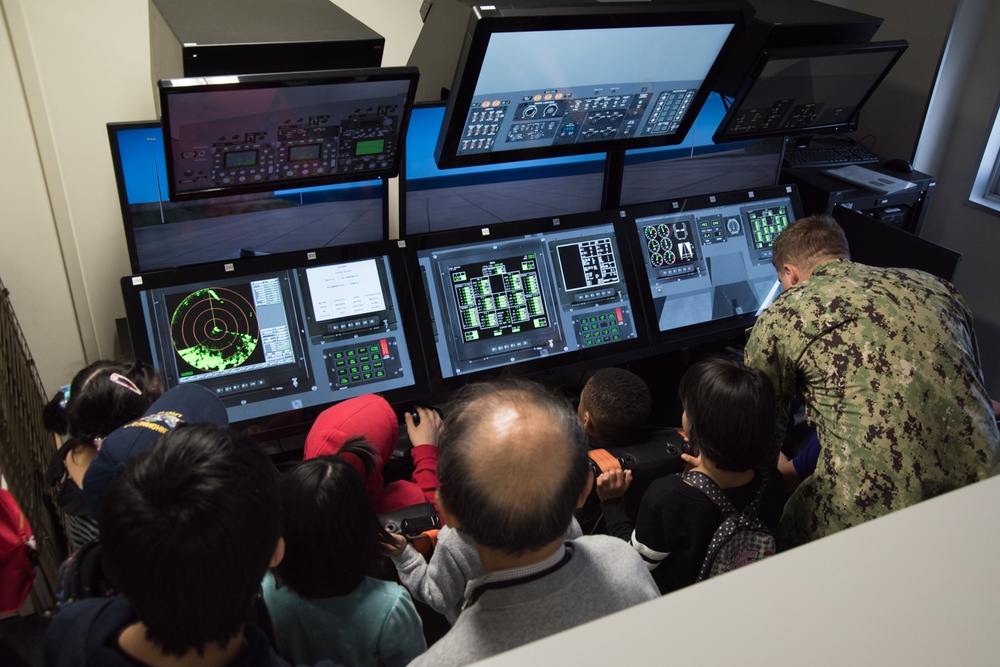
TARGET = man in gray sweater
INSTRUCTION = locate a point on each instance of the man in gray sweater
(513, 466)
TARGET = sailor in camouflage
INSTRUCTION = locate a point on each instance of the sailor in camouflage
(887, 364)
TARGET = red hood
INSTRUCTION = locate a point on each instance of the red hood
(370, 416)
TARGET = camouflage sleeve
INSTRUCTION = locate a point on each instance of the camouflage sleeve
(967, 315)
(763, 352)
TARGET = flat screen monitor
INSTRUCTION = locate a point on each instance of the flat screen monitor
(538, 82)
(705, 267)
(534, 294)
(278, 338)
(434, 199)
(162, 234)
(699, 165)
(809, 90)
(259, 132)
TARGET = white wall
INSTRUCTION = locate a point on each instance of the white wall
(74, 67)
(952, 220)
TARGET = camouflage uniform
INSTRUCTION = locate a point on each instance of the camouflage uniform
(887, 363)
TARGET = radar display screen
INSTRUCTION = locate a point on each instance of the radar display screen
(499, 298)
(215, 329)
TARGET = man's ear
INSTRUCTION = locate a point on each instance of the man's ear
(794, 273)
(587, 488)
(279, 553)
(447, 517)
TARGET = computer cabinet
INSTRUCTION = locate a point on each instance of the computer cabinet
(820, 193)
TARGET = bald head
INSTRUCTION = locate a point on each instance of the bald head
(513, 464)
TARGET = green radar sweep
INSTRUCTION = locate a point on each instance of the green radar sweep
(214, 329)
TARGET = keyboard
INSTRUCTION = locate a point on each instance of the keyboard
(831, 156)
(351, 365)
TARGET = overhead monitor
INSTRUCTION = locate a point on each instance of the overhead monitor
(808, 90)
(278, 338)
(433, 199)
(257, 132)
(706, 261)
(162, 234)
(533, 294)
(562, 80)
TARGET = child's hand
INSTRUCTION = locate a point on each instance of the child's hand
(428, 431)
(691, 462)
(395, 547)
(613, 484)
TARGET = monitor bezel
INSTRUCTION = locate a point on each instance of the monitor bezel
(732, 327)
(168, 88)
(566, 362)
(132, 287)
(790, 53)
(486, 20)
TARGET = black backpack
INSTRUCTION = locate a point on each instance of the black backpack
(82, 576)
(741, 538)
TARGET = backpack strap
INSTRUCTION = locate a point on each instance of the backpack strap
(707, 485)
(765, 477)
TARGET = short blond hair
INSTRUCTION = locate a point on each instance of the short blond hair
(808, 241)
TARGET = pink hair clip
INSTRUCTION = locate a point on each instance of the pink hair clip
(126, 383)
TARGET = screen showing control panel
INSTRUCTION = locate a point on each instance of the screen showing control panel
(498, 302)
(264, 132)
(708, 259)
(551, 88)
(809, 89)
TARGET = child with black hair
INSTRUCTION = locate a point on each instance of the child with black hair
(102, 397)
(729, 421)
(615, 406)
(188, 532)
(322, 601)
